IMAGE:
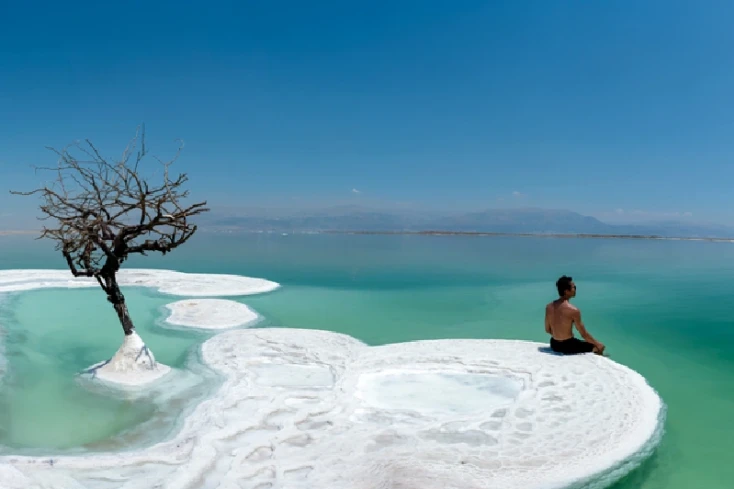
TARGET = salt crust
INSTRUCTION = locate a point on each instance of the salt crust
(315, 409)
(165, 281)
(132, 365)
(210, 314)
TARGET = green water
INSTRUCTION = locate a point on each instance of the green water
(661, 307)
(50, 336)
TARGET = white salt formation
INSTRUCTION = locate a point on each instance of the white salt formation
(132, 365)
(210, 314)
(304, 409)
(166, 281)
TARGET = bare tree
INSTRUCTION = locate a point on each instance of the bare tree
(104, 211)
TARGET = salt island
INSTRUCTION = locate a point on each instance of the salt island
(312, 409)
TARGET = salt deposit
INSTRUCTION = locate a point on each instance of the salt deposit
(132, 365)
(311, 409)
(315, 409)
(210, 314)
(166, 281)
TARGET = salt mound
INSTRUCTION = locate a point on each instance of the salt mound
(210, 314)
(132, 365)
(166, 281)
(314, 409)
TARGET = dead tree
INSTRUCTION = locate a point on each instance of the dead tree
(104, 211)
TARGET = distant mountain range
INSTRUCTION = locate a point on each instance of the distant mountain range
(509, 221)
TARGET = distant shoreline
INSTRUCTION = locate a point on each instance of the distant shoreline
(482, 234)
(447, 233)
(535, 235)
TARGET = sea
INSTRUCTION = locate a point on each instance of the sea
(662, 307)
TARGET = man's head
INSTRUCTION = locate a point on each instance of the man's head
(566, 287)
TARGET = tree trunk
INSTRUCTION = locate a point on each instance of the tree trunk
(115, 297)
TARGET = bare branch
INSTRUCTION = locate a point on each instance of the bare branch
(107, 210)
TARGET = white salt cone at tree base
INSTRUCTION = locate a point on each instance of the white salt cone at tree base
(132, 365)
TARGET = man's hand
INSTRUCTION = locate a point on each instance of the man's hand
(547, 321)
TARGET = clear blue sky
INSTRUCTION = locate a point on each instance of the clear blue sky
(589, 106)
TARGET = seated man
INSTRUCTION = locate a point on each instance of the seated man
(560, 316)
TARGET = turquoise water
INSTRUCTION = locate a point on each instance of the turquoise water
(661, 307)
(50, 336)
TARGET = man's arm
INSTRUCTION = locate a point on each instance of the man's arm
(548, 321)
(583, 332)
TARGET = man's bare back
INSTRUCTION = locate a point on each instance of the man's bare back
(561, 315)
(560, 318)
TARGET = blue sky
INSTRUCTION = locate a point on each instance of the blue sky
(623, 110)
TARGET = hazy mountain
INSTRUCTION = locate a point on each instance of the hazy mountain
(523, 221)
(345, 218)
(678, 229)
(532, 220)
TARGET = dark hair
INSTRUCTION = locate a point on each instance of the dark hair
(563, 284)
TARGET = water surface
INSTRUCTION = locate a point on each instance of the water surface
(661, 307)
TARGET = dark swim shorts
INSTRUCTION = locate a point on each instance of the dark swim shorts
(571, 346)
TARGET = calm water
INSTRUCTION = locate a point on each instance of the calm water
(661, 307)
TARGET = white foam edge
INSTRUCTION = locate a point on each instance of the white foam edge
(219, 441)
(210, 314)
(165, 281)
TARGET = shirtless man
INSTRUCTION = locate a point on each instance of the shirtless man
(560, 316)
